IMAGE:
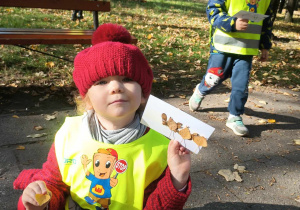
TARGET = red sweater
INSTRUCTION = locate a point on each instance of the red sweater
(160, 194)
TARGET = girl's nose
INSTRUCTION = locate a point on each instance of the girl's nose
(116, 87)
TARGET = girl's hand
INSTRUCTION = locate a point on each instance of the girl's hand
(241, 24)
(28, 197)
(179, 161)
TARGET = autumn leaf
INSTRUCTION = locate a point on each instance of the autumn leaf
(38, 128)
(172, 124)
(271, 121)
(262, 121)
(15, 116)
(200, 141)
(296, 141)
(185, 133)
(50, 117)
(36, 135)
(263, 102)
(20, 147)
(43, 198)
(182, 96)
(50, 64)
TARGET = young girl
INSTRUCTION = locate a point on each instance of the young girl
(107, 159)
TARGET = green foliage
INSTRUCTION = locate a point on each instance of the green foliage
(173, 35)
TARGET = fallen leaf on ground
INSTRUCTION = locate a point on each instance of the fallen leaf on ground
(38, 128)
(227, 173)
(36, 135)
(263, 102)
(259, 106)
(50, 64)
(271, 121)
(272, 181)
(297, 141)
(182, 96)
(240, 169)
(15, 116)
(20, 147)
(237, 176)
(262, 121)
(50, 117)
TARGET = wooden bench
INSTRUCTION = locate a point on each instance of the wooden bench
(26, 36)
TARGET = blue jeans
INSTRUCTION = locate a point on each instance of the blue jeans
(237, 67)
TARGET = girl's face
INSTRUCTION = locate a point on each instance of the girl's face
(115, 100)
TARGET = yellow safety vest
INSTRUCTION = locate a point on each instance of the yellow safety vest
(241, 42)
(146, 159)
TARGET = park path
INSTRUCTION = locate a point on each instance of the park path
(272, 160)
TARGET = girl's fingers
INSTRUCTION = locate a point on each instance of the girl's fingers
(42, 188)
(29, 197)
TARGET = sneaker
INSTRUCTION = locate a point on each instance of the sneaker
(236, 124)
(195, 100)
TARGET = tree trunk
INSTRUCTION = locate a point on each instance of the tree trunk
(291, 5)
(282, 2)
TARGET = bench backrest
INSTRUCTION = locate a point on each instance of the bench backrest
(85, 5)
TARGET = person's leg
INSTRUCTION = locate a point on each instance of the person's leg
(239, 94)
(80, 15)
(218, 70)
(74, 15)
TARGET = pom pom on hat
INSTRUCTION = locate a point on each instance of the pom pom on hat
(111, 55)
(111, 32)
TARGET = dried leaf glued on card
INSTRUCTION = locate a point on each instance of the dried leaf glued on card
(164, 118)
(185, 133)
(200, 141)
(172, 124)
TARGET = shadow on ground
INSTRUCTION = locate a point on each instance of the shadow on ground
(243, 206)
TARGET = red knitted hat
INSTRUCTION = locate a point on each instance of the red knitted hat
(111, 55)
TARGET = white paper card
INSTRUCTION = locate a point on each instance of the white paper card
(152, 117)
(250, 16)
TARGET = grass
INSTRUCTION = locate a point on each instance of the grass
(173, 35)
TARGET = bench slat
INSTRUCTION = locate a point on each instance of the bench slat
(85, 5)
(15, 36)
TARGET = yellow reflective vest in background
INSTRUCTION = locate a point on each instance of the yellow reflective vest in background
(145, 160)
(241, 42)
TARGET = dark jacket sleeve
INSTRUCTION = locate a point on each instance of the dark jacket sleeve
(50, 174)
(161, 194)
(266, 34)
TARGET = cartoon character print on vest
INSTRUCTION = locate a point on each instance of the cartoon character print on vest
(252, 4)
(104, 162)
(213, 76)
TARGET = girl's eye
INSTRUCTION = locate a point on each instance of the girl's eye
(126, 79)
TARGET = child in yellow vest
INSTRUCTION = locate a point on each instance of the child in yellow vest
(107, 159)
(233, 42)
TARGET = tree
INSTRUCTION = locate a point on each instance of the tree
(291, 5)
(274, 6)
